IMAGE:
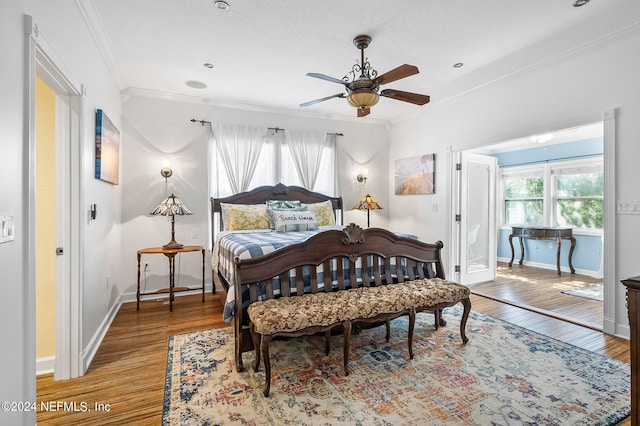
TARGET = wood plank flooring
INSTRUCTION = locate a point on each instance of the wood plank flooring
(129, 369)
(540, 290)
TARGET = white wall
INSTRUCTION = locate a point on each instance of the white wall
(64, 30)
(17, 365)
(573, 89)
(156, 129)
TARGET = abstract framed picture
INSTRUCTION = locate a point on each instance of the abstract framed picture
(415, 175)
(107, 149)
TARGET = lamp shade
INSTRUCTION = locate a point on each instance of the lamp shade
(172, 206)
(367, 203)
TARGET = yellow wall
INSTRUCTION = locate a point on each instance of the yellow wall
(45, 221)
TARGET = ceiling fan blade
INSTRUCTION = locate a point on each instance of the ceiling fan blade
(396, 74)
(337, 95)
(325, 77)
(414, 98)
(363, 112)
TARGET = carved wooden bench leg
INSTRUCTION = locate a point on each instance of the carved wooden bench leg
(264, 348)
(463, 321)
(412, 323)
(347, 343)
(388, 325)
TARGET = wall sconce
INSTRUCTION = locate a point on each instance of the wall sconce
(166, 171)
(362, 178)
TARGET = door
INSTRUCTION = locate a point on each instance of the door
(476, 217)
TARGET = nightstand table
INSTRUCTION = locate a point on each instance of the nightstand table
(171, 256)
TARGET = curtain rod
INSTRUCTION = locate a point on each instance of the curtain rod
(553, 160)
(202, 122)
(277, 129)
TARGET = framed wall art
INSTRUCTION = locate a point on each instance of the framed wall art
(107, 149)
(415, 175)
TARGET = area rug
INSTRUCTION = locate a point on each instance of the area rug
(593, 292)
(505, 375)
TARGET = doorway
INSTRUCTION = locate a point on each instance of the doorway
(42, 63)
(602, 130)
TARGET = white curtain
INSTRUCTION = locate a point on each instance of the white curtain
(306, 150)
(238, 147)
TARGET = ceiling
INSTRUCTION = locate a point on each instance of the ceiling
(261, 51)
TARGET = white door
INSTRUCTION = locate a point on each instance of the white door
(476, 218)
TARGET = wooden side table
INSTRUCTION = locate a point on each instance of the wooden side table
(633, 308)
(543, 233)
(171, 256)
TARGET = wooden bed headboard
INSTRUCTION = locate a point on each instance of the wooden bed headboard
(264, 193)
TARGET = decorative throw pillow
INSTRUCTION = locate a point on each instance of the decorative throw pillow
(281, 205)
(324, 212)
(224, 207)
(248, 217)
(289, 220)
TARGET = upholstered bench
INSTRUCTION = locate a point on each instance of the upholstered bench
(321, 312)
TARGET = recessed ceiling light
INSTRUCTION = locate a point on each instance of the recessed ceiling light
(458, 65)
(541, 138)
(579, 3)
(195, 84)
(221, 4)
(208, 65)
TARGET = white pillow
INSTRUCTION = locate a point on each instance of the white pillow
(324, 212)
(288, 220)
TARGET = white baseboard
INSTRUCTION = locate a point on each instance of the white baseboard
(45, 365)
(91, 349)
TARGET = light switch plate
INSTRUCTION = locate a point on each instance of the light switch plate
(627, 207)
(6, 228)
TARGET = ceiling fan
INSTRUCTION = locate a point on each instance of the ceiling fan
(363, 89)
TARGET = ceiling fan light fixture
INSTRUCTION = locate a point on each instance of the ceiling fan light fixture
(363, 98)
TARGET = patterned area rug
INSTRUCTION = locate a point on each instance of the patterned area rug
(593, 292)
(505, 375)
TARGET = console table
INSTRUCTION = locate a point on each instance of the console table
(171, 256)
(543, 233)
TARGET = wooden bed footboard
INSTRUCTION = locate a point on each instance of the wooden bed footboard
(355, 257)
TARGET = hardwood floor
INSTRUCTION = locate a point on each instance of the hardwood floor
(128, 371)
(540, 290)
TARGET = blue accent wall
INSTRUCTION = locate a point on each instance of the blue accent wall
(586, 256)
(582, 148)
(588, 252)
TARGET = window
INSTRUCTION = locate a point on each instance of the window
(580, 199)
(567, 193)
(276, 165)
(524, 200)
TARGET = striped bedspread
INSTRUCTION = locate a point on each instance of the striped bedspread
(249, 245)
(253, 244)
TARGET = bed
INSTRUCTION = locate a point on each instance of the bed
(260, 196)
(232, 245)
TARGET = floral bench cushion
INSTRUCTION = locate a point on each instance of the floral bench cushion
(289, 314)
